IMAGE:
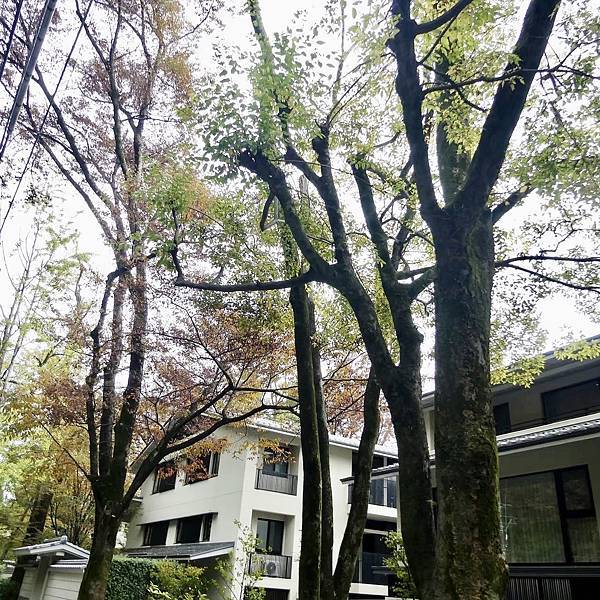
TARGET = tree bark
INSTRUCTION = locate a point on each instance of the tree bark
(357, 516)
(326, 567)
(95, 577)
(469, 563)
(310, 554)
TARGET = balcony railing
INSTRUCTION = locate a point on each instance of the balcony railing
(381, 493)
(270, 565)
(368, 569)
(284, 484)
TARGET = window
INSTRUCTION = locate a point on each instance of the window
(194, 529)
(200, 468)
(155, 534)
(549, 517)
(270, 536)
(572, 401)
(276, 463)
(165, 477)
(502, 418)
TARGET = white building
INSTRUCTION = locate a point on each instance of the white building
(549, 443)
(244, 491)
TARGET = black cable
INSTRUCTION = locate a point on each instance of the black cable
(10, 37)
(39, 130)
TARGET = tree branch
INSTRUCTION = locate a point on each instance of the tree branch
(449, 15)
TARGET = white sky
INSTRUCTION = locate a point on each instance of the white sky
(560, 317)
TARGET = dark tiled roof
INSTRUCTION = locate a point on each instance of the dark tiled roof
(180, 551)
(544, 436)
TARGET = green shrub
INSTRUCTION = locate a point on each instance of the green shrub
(178, 581)
(7, 589)
(143, 579)
(129, 578)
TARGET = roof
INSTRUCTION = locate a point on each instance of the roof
(513, 441)
(77, 564)
(553, 367)
(55, 546)
(196, 551)
(294, 432)
(334, 440)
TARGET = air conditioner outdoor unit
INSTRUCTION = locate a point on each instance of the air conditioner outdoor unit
(271, 568)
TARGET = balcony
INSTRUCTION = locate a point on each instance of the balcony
(283, 484)
(270, 565)
(382, 492)
(370, 569)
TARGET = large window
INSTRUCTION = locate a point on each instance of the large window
(165, 477)
(194, 529)
(549, 517)
(270, 536)
(200, 468)
(155, 534)
(276, 463)
(573, 401)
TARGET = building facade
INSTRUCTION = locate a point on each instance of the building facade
(246, 490)
(549, 443)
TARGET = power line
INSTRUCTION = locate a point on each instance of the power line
(10, 37)
(43, 122)
(34, 53)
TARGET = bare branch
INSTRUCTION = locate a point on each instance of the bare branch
(449, 15)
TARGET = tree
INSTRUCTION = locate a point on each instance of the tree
(108, 142)
(306, 115)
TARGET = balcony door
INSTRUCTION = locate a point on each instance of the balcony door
(270, 536)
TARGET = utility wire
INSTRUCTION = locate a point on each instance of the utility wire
(10, 37)
(34, 53)
(41, 126)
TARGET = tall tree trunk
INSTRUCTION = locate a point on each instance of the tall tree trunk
(357, 516)
(95, 577)
(310, 554)
(326, 567)
(469, 552)
(33, 534)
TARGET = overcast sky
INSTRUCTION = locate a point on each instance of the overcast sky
(559, 316)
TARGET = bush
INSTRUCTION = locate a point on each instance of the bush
(143, 579)
(8, 589)
(178, 581)
(129, 578)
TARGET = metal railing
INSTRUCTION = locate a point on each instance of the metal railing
(284, 484)
(270, 565)
(368, 569)
(382, 492)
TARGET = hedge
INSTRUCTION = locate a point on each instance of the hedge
(131, 578)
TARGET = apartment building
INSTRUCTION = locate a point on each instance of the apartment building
(549, 444)
(198, 518)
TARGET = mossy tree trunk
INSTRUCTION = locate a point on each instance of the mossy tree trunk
(468, 556)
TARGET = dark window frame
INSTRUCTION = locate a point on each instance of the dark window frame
(563, 513)
(545, 402)
(148, 532)
(163, 484)
(212, 469)
(268, 550)
(203, 531)
(270, 467)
